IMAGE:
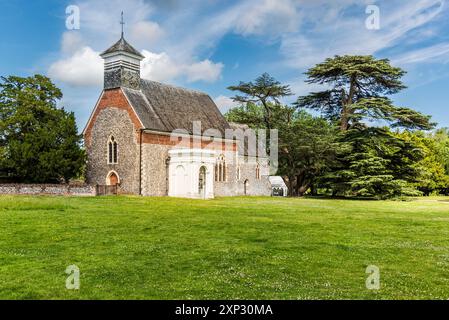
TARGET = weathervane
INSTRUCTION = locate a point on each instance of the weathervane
(122, 22)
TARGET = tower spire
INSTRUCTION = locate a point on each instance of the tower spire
(122, 22)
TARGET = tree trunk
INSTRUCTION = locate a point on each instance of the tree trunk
(344, 119)
(344, 112)
(347, 101)
(267, 114)
(313, 190)
(290, 186)
(301, 184)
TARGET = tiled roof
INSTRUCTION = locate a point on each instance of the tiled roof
(123, 45)
(165, 108)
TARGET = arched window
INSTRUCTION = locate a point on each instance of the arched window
(258, 172)
(112, 151)
(220, 169)
(202, 181)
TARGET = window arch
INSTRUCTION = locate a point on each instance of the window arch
(112, 151)
(258, 172)
(220, 169)
(112, 178)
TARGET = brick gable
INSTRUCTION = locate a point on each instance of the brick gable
(113, 98)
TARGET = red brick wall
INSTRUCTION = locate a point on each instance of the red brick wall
(154, 138)
(115, 98)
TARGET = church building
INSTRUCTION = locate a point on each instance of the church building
(129, 138)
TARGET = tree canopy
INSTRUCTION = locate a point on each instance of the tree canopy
(39, 142)
(356, 90)
(346, 151)
(266, 91)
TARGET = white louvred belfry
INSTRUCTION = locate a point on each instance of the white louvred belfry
(122, 65)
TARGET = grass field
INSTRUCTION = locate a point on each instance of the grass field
(229, 248)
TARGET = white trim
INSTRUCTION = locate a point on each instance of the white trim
(116, 150)
(109, 175)
(121, 52)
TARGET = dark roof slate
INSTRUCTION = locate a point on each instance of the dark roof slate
(123, 45)
(165, 108)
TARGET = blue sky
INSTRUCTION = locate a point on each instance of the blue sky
(208, 45)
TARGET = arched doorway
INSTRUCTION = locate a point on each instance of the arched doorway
(246, 187)
(202, 182)
(112, 179)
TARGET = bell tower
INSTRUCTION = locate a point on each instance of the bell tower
(122, 65)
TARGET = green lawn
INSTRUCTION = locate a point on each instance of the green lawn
(229, 248)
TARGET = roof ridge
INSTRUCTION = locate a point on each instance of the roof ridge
(122, 45)
(175, 87)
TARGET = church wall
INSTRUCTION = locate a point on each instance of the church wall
(155, 149)
(230, 187)
(256, 187)
(113, 98)
(154, 169)
(114, 116)
(113, 121)
(234, 186)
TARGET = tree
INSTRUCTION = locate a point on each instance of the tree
(265, 90)
(249, 113)
(357, 90)
(39, 142)
(307, 148)
(430, 174)
(307, 144)
(441, 138)
(378, 164)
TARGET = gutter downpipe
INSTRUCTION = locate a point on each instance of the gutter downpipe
(140, 161)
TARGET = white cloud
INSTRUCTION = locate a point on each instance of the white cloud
(145, 33)
(267, 16)
(161, 67)
(158, 67)
(178, 38)
(83, 68)
(347, 34)
(71, 42)
(225, 103)
(430, 54)
(205, 70)
(80, 65)
(100, 18)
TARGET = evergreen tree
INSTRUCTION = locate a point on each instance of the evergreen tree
(307, 144)
(265, 91)
(357, 89)
(379, 164)
(38, 142)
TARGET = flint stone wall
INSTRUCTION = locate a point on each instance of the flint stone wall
(47, 189)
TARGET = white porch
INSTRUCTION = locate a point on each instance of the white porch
(191, 173)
